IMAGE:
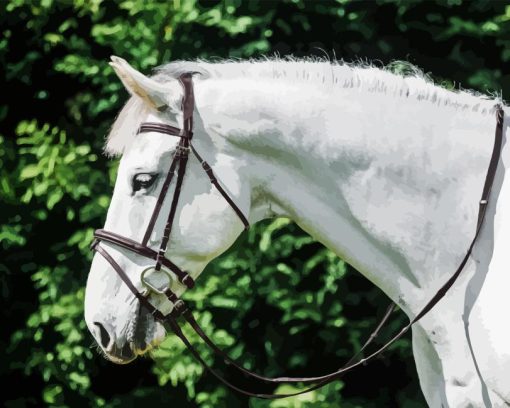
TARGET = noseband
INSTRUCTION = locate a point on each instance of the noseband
(164, 267)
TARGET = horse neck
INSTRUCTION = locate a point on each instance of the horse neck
(389, 184)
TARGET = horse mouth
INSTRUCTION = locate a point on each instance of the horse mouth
(143, 334)
(130, 351)
(124, 355)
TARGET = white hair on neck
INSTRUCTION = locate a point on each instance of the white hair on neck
(411, 82)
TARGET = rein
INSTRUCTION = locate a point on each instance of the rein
(163, 265)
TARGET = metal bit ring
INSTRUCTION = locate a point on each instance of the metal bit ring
(150, 286)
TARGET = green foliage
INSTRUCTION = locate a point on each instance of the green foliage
(277, 300)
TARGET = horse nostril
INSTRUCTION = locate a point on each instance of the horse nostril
(104, 337)
(126, 351)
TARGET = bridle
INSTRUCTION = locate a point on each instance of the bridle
(163, 265)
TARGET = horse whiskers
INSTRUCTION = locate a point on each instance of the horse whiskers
(99, 350)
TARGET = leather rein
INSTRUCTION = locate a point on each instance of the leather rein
(164, 265)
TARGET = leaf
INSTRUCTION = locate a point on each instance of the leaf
(30, 171)
(51, 393)
(54, 197)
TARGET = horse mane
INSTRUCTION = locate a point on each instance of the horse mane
(399, 79)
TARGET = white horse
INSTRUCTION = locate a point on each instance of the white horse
(384, 170)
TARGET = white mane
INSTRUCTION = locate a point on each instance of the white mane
(409, 82)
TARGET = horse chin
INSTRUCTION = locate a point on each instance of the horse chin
(143, 334)
(156, 337)
(146, 333)
(120, 360)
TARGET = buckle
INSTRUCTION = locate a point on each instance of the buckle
(209, 171)
(179, 307)
(150, 286)
(181, 151)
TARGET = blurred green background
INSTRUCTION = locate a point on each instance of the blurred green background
(277, 300)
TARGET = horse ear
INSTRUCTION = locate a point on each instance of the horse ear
(153, 93)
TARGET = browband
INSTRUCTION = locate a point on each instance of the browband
(160, 128)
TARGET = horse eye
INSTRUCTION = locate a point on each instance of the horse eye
(143, 181)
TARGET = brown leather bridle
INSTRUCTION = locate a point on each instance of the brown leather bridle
(179, 161)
